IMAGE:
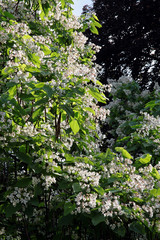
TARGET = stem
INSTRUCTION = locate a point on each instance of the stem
(30, 113)
(17, 97)
(45, 115)
(26, 164)
(26, 228)
(58, 127)
(15, 169)
(46, 215)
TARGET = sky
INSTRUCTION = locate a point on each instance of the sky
(78, 5)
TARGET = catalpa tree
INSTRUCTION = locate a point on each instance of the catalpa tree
(54, 181)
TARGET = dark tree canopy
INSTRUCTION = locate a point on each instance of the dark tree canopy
(130, 37)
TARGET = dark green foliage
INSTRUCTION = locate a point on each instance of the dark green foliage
(129, 38)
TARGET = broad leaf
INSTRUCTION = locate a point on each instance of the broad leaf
(99, 190)
(97, 95)
(12, 91)
(155, 192)
(48, 90)
(98, 219)
(76, 187)
(137, 227)
(125, 154)
(10, 210)
(9, 15)
(24, 182)
(121, 231)
(45, 49)
(155, 174)
(37, 113)
(63, 3)
(24, 157)
(35, 59)
(89, 110)
(68, 208)
(68, 110)
(93, 29)
(74, 126)
(144, 159)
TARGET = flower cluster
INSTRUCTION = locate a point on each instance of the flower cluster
(133, 122)
(123, 180)
(84, 172)
(85, 202)
(20, 195)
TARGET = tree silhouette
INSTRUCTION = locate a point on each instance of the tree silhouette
(129, 38)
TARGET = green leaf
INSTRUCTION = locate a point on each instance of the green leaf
(69, 158)
(37, 113)
(42, 15)
(65, 220)
(136, 199)
(10, 210)
(153, 103)
(29, 211)
(48, 90)
(24, 157)
(155, 192)
(74, 126)
(67, 109)
(7, 71)
(99, 83)
(63, 3)
(27, 97)
(41, 101)
(96, 94)
(76, 187)
(46, 8)
(97, 219)
(9, 15)
(137, 227)
(93, 29)
(39, 85)
(112, 179)
(45, 49)
(64, 185)
(12, 91)
(18, 107)
(26, 36)
(125, 154)
(144, 159)
(79, 91)
(155, 173)
(24, 182)
(95, 17)
(99, 190)
(90, 110)
(109, 155)
(57, 169)
(97, 24)
(32, 69)
(38, 190)
(121, 231)
(34, 59)
(35, 201)
(68, 208)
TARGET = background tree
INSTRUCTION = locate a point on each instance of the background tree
(129, 38)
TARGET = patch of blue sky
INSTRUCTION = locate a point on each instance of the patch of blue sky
(78, 6)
